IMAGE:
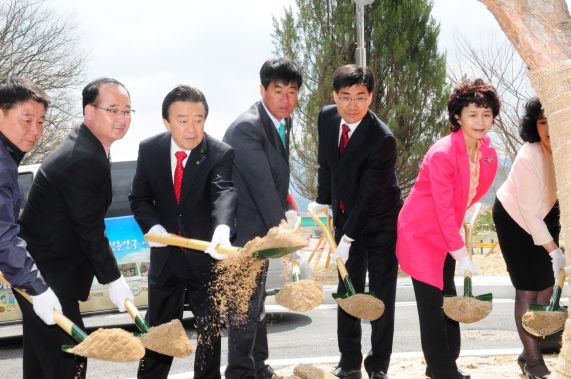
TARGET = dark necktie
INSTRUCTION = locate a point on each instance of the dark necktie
(178, 171)
(344, 138)
(342, 146)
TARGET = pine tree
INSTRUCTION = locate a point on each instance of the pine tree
(410, 75)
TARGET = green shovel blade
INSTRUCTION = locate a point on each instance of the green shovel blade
(275, 252)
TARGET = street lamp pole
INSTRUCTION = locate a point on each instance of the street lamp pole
(360, 52)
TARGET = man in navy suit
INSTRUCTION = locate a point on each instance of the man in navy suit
(356, 177)
(260, 139)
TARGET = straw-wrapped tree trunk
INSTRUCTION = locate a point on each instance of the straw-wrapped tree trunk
(540, 31)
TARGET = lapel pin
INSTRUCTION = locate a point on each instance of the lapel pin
(489, 159)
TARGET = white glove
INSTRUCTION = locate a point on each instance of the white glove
(318, 208)
(44, 304)
(221, 236)
(160, 231)
(343, 248)
(119, 291)
(291, 218)
(558, 261)
(465, 264)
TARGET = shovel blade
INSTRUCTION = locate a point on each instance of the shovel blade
(275, 252)
(485, 297)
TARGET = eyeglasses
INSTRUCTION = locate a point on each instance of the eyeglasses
(358, 100)
(116, 112)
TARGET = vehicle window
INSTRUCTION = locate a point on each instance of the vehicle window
(122, 174)
(25, 180)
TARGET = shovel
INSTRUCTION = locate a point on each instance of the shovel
(468, 308)
(104, 344)
(366, 305)
(299, 295)
(545, 320)
(167, 339)
(278, 242)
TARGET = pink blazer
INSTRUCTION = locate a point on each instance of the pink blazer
(430, 220)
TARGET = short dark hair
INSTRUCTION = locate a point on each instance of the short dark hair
(528, 123)
(184, 93)
(352, 74)
(15, 90)
(280, 70)
(91, 91)
(478, 92)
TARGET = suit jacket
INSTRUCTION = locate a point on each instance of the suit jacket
(364, 177)
(260, 173)
(63, 220)
(433, 213)
(207, 197)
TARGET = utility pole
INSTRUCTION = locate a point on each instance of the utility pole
(360, 52)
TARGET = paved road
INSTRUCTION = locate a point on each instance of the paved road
(294, 336)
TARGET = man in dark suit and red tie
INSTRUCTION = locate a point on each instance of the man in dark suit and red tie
(356, 177)
(63, 225)
(183, 185)
(260, 139)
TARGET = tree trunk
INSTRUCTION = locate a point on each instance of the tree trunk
(540, 31)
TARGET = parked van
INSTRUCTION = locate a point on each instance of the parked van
(126, 239)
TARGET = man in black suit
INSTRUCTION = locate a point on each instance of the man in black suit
(260, 139)
(356, 176)
(63, 224)
(183, 185)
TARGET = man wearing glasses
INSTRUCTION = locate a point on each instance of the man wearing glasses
(63, 224)
(356, 177)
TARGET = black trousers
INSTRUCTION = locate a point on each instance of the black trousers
(439, 335)
(379, 260)
(248, 341)
(184, 275)
(43, 357)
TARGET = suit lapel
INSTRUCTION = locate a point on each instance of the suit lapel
(464, 165)
(271, 132)
(358, 138)
(193, 165)
(164, 168)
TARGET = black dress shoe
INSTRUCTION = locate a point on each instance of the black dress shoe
(265, 372)
(347, 373)
(378, 375)
(459, 374)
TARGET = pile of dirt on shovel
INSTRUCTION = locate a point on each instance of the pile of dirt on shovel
(466, 309)
(365, 307)
(543, 323)
(110, 345)
(236, 277)
(168, 338)
(301, 296)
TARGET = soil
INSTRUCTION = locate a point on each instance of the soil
(168, 339)
(301, 296)
(365, 307)
(110, 345)
(466, 309)
(500, 366)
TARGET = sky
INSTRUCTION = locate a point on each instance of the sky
(216, 46)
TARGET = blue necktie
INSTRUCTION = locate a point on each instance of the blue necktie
(281, 131)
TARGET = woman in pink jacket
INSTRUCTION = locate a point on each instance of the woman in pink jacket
(455, 173)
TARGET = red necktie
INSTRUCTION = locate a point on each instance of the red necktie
(344, 138)
(178, 171)
(342, 146)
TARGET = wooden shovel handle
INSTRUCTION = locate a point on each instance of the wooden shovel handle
(189, 243)
(63, 322)
(136, 316)
(561, 278)
(324, 228)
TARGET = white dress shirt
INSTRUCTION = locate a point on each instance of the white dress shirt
(174, 149)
